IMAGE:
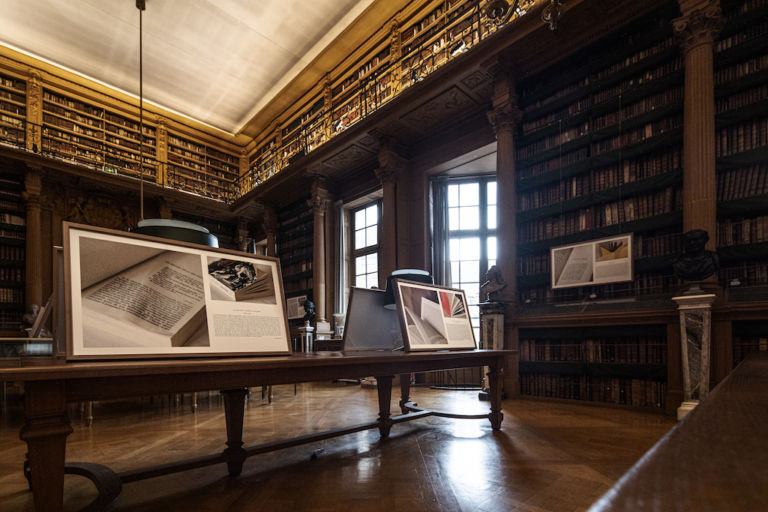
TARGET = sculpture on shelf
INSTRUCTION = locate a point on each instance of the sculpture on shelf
(309, 309)
(696, 263)
(493, 285)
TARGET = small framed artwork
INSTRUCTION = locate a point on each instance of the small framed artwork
(136, 296)
(607, 260)
(433, 317)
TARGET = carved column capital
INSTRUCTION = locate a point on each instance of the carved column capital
(33, 187)
(391, 163)
(320, 200)
(504, 118)
(698, 25)
(504, 114)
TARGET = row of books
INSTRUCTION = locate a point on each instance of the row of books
(552, 141)
(121, 121)
(746, 6)
(12, 274)
(634, 392)
(296, 286)
(743, 182)
(11, 108)
(742, 36)
(647, 104)
(11, 294)
(745, 136)
(13, 96)
(603, 178)
(635, 81)
(553, 164)
(636, 57)
(10, 218)
(10, 320)
(577, 107)
(636, 135)
(72, 126)
(196, 148)
(615, 349)
(744, 231)
(745, 273)
(638, 207)
(13, 83)
(11, 121)
(73, 104)
(645, 284)
(742, 99)
(51, 109)
(741, 69)
(297, 268)
(12, 234)
(742, 347)
(11, 253)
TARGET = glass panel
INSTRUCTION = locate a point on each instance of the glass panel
(454, 272)
(453, 219)
(454, 244)
(492, 217)
(360, 239)
(371, 215)
(491, 192)
(491, 248)
(470, 271)
(491, 262)
(371, 263)
(474, 312)
(361, 282)
(372, 280)
(469, 194)
(371, 236)
(359, 219)
(469, 249)
(470, 218)
(453, 195)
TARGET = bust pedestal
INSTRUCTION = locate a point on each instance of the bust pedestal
(491, 335)
(695, 331)
(307, 337)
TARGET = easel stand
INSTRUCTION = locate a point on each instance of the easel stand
(695, 333)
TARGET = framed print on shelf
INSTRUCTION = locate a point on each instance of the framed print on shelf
(607, 260)
(433, 317)
(136, 296)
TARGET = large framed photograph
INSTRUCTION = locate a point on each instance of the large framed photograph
(135, 296)
(607, 260)
(433, 317)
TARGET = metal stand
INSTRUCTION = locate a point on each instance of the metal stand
(695, 331)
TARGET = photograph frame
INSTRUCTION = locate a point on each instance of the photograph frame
(600, 261)
(160, 304)
(433, 317)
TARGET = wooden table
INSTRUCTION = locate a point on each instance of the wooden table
(47, 389)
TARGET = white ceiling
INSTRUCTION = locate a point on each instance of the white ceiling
(215, 61)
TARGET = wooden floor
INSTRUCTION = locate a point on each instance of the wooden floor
(547, 456)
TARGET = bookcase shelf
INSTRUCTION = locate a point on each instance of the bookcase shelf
(12, 253)
(295, 244)
(741, 145)
(13, 110)
(624, 365)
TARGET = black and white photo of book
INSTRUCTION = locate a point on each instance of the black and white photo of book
(236, 280)
(141, 297)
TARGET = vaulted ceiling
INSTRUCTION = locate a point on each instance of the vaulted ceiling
(219, 62)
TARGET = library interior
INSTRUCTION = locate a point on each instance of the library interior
(548, 219)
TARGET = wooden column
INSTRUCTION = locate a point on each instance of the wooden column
(320, 202)
(391, 165)
(697, 28)
(242, 234)
(503, 117)
(34, 267)
(269, 224)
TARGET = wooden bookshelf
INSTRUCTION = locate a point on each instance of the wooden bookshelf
(599, 153)
(748, 337)
(295, 244)
(12, 257)
(199, 168)
(94, 136)
(741, 147)
(618, 365)
(13, 110)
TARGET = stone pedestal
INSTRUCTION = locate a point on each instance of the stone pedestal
(491, 335)
(695, 333)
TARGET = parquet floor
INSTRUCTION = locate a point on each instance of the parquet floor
(548, 457)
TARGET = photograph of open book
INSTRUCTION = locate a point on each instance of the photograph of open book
(130, 295)
(140, 297)
(241, 281)
(433, 317)
(607, 260)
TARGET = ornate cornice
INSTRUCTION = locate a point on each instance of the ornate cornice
(698, 26)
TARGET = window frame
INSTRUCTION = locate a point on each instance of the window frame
(365, 251)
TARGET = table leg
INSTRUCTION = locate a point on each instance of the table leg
(495, 372)
(405, 391)
(234, 410)
(45, 431)
(384, 388)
